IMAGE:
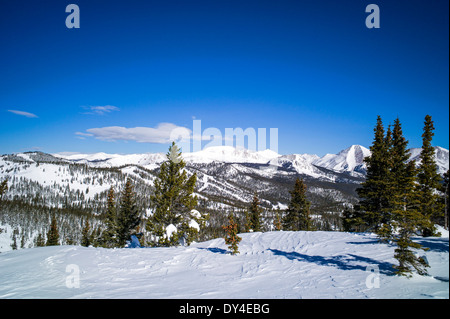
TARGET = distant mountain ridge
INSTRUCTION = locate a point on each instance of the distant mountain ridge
(226, 176)
(349, 160)
(227, 179)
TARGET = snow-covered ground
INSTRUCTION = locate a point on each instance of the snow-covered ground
(270, 265)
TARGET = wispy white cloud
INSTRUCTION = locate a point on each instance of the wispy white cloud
(161, 134)
(100, 110)
(22, 113)
(82, 136)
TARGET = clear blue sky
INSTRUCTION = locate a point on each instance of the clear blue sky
(310, 68)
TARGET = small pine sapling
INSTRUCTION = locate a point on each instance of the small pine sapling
(231, 238)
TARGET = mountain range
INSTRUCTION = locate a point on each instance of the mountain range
(75, 186)
(226, 175)
(349, 160)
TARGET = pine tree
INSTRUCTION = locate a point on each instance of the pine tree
(277, 223)
(109, 236)
(352, 220)
(129, 217)
(3, 188)
(405, 219)
(297, 216)
(445, 198)
(255, 214)
(85, 235)
(231, 237)
(14, 238)
(248, 222)
(53, 234)
(40, 240)
(428, 181)
(374, 195)
(173, 202)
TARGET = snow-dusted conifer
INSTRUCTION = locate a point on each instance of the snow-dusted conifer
(3, 188)
(231, 235)
(297, 216)
(109, 236)
(428, 180)
(85, 234)
(374, 194)
(254, 214)
(128, 216)
(173, 202)
(53, 234)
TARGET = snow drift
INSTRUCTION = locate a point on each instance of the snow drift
(270, 265)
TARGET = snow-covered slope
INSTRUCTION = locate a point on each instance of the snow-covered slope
(441, 157)
(225, 154)
(270, 265)
(227, 174)
(229, 154)
(349, 160)
(147, 160)
(301, 163)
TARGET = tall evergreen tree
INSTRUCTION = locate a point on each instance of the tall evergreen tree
(40, 240)
(110, 235)
(297, 215)
(373, 208)
(85, 234)
(173, 202)
(128, 216)
(445, 198)
(404, 218)
(352, 219)
(53, 234)
(388, 200)
(3, 188)
(428, 180)
(255, 214)
(277, 222)
(231, 235)
(14, 238)
(247, 221)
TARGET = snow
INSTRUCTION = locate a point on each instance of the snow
(230, 154)
(170, 230)
(441, 157)
(345, 160)
(271, 265)
(195, 213)
(114, 160)
(5, 237)
(194, 224)
(302, 163)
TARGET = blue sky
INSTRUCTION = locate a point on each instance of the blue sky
(310, 68)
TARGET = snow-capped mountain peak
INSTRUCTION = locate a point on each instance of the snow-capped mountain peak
(347, 160)
(441, 156)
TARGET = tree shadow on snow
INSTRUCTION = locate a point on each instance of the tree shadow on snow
(369, 242)
(215, 250)
(434, 244)
(344, 262)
